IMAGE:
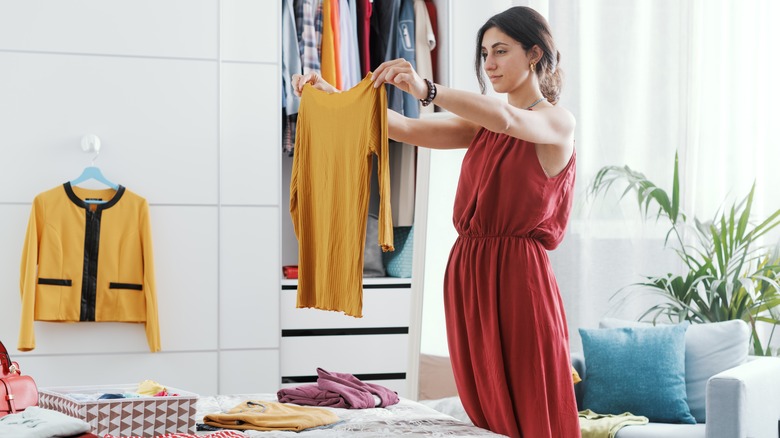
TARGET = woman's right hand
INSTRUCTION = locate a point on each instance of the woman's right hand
(313, 78)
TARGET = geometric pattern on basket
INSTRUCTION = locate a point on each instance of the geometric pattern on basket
(126, 417)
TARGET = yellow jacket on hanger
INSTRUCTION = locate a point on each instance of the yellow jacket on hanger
(88, 261)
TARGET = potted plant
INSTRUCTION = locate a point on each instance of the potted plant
(727, 275)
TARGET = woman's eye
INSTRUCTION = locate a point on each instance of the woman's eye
(484, 56)
(500, 52)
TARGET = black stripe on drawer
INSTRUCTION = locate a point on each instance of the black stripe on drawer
(55, 281)
(363, 377)
(132, 286)
(365, 286)
(290, 333)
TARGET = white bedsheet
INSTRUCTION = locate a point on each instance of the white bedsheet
(407, 418)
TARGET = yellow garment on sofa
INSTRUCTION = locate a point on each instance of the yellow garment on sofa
(266, 415)
(337, 136)
(575, 376)
(593, 425)
(88, 262)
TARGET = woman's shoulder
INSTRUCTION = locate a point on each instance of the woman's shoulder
(561, 119)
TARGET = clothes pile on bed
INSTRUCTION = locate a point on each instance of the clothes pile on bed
(299, 408)
(338, 405)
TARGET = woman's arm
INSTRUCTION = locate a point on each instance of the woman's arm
(450, 133)
(552, 125)
(435, 133)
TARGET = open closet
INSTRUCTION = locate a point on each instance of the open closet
(383, 346)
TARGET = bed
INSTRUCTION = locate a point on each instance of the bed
(407, 418)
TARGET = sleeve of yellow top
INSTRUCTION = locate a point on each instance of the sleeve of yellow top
(150, 286)
(294, 186)
(383, 166)
(28, 276)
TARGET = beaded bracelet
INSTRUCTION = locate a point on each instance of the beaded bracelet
(431, 93)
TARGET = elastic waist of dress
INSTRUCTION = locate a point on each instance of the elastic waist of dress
(497, 236)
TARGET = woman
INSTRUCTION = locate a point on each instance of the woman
(506, 327)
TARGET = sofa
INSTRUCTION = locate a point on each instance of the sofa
(721, 391)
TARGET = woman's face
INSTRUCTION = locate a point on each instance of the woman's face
(506, 62)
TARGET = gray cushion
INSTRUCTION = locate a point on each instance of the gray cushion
(709, 349)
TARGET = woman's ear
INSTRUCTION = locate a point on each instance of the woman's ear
(535, 54)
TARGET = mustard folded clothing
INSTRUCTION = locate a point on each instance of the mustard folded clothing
(593, 425)
(265, 415)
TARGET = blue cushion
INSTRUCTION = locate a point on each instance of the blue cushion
(398, 263)
(640, 370)
(710, 348)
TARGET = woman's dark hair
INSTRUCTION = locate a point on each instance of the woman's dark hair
(529, 28)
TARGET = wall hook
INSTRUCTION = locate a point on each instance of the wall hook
(90, 143)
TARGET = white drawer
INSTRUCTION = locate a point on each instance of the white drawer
(361, 354)
(387, 306)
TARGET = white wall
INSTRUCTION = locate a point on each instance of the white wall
(463, 21)
(184, 95)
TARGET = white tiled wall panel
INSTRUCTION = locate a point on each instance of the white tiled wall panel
(13, 224)
(249, 277)
(185, 248)
(250, 30)
(157, 120)
(249, 371)
(166, 28)
(186, 371)
(249, 150)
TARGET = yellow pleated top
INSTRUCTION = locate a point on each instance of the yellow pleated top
(337, 136)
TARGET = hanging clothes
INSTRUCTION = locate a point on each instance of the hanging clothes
(432, 15)
(291, 58)
(330, 53)
(329, 192)
(393, 37)
(311, 35)
(88, 261)
(364, 9)
(350, 64)
(425, 42)
(291, 64)
(403, 157)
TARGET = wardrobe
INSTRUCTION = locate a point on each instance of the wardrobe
(185, 96)
(381, 347)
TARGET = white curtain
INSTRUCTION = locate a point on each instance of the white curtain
(646, 79)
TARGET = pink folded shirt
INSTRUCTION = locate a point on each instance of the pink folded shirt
(338, 390)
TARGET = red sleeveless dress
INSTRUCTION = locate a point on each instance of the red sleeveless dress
(506, 326)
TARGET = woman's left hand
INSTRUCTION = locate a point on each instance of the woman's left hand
(399, 72)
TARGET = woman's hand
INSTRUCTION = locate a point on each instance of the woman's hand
(399, 72)
(298, 81)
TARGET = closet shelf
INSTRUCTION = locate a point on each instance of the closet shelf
(366, 281)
